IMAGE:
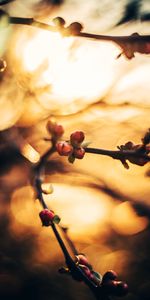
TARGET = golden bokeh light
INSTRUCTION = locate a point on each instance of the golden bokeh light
(30, 153)
(65, 74)
(25, 209)
(125, 221)
(83, 210)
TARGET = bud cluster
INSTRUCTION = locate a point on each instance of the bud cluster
(87, 269)
(108, 284)
(72, 148)
(73, 29)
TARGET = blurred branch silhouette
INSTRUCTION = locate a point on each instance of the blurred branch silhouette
(128, 44)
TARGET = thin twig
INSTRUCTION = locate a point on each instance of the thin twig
(75, 270)
(117, 39)
(117, 154)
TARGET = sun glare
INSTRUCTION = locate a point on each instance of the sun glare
(65, 70)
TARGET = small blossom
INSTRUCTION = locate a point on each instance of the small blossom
(55, 129)
(59, 22)
(58, 130)
(77, 137)
(46, 216)
(64, 148)
(81, 259)
(109, 275)
(75, 28)
(79, 153)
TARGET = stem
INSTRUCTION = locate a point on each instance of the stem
(116, 39)
(39, 193)
(38, 182)
(69, 260)
(69, 241)
(118, 154)
(38, 170)
(75, 270)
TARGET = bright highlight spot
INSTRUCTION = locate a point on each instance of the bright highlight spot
(64, 73)
(125, 220)
(83, 210)
(30, 153)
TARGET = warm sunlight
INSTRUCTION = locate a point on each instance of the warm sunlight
(63, 70)
(83, 210)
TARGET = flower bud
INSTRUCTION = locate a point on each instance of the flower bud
(77, 137)
(75, 28)
(64, 148)
(109, 275)
(46, 216)
(55, 129)
(79, 153)
(59, 22)
(58, 131)
(81, 259)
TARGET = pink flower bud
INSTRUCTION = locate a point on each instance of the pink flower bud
(58, 21)
(77, 137)
(79, 153)
(81, 258)
(75, 28)
(46, 216)
(58, 131)
(109, 275)
(64, 148)
(54, 129)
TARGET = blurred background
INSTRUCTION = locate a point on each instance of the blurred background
(81, 84)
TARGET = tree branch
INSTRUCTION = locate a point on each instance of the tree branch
(128, 44)
(117, 154)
